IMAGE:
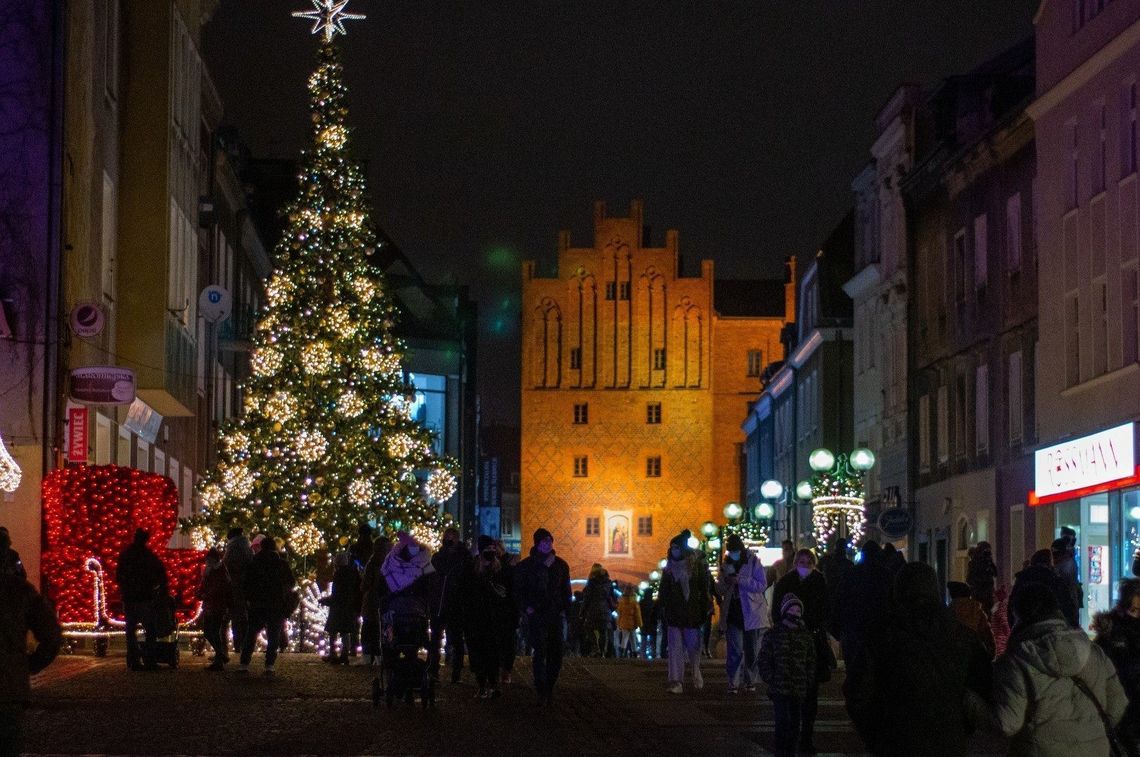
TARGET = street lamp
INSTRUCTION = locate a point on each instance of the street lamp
(654, 575)
(709, 529)
(836, 491)
(764, 511)
(733, 511)
(693, 542)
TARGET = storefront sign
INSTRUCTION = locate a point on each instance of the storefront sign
(103, 385)
(1096, 462)
(76, 434)
(143, 420)
(895, 522)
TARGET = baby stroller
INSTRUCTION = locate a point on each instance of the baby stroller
(404, 635)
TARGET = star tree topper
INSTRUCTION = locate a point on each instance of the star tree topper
(328, 16)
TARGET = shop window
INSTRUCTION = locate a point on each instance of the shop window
(963, 533)
(611, 290)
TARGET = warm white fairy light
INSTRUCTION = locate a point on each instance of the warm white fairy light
(10, 473)
(340, 320)
(281, 406)
(237, 480)
(350, 404)
(334, 136)
(440, 485)
(317, 357)
(830, 511)
(202, 538)
(266, 361)
(237, 442)
(311, 445)
(364, 288)
(360, 491)
(429, 537)
(210, 496)
(328, 17)
(305, 539)
(400, 446)
(251, 402)
(279, 290)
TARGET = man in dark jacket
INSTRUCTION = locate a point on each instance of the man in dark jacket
(684, 598)
(542, 594)
(451, 563)
(236, 560)
(268, 581)
(1041, 571)
(862, 599)
(142, 583)
(808, 584)
(835, 566)
(22, 611)
(980, 575)
(10, 558)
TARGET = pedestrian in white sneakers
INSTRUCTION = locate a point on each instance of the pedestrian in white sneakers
(744, 615)
(684, 600)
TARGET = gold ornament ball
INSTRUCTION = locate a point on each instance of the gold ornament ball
(343, 541)
(266, 511)
(277, 426)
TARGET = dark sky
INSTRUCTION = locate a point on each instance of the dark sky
(489, 125)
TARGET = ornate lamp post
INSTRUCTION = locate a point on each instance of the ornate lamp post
(836, 492)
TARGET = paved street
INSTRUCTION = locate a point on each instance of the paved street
(86, 705)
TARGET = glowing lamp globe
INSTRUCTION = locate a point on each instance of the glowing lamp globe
(661, 564)
(771, 489)
(693, 542)
(803, 490)
(1134, 513)
(862, 459)
(709, 529)
(732, 511)
(821, 460)
(643, 586)
(714, 543)
(764, 510)
(654, 575)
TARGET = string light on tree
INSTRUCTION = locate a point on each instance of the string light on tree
(440, 485)
(311, 445)
(317, 357)
(305, 539)
(10, 473)
(837, 495)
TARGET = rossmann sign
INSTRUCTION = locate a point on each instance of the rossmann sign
(1079, 467)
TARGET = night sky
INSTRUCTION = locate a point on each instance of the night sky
(489, 125)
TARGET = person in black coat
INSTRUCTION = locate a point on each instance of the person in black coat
(542, 595)
(451, 564)
(862, 598)
(1041, 571)
(10, 563)
(808, 584)
(1118, 634)
(906, 694)
(980, 575)
(142, 583)
(267, 582)
(24, 615)
(487, 610)
(509, 630)
(344, 607)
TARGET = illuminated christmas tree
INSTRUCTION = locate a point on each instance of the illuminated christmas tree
(326, 440)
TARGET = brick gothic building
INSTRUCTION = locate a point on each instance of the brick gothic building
(634, 383)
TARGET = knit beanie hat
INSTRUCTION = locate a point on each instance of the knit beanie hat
(734, 543)
(541, 534)
(484, 542)
(681, 540)
(790, 600)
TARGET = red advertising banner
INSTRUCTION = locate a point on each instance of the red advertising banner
(77, 434)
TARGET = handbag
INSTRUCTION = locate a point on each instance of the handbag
(1115, 746)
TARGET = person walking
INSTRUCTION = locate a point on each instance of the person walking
(596, 611)
(999, 620)
(24, 614)
(648, 608)
(268, 580)
(542, 595)
(487, 607)
(508, 630)
(10, 562)
(906, 691)
(238, 555)
(629, 620)
(1055, 692)
(343, 602)
(1118, 635)
(1040, 571)
(215, 592)
(835, 566)
(809, 586)
(862, 599)
(684, 596)
(781, 567)
(744, 613)
(981, 571)
(1065, 566)
(787, 664)
(142, 583)
(449, 565)
(968, 612)
(372, 591)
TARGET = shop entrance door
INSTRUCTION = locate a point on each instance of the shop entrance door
(1095, 559)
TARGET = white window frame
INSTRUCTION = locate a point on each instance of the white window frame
(981, 250)
(102, 439)
(1013, 232)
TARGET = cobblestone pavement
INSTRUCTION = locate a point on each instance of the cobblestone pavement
(87, 705)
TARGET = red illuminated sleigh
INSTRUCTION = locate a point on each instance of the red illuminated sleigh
(91, 514)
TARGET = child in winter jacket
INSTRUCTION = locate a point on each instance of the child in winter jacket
(969, 612)
(628, 621)
(787, 664)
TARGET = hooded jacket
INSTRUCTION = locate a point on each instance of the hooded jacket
(23, 610)
(401, 570)
(267, 580)
(685, 606)
(629, 613)
(787, 659)
(748, 589)
(598, 602)
(542, 588)
(1036, 701)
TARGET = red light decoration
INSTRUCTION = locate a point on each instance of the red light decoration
(92, 511)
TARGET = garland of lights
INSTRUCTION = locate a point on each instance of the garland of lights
(837, 501)
(10, 473)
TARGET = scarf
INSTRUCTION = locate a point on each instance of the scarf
(679, 569)
(400, 573)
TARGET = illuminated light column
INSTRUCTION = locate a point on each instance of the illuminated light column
(837, 494)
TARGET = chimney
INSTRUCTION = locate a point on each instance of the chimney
(790, 290)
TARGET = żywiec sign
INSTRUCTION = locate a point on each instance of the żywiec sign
(1085, 463)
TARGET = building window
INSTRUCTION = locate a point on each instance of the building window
(755, 362)
(506, 527)
(943, 424)
(611, 290)
(623, 290)
(110, 221)
(982, 409)
(653, 467)
(581, 466)
(960, 266)
(981, 250)
(653, 412)
(1074, 165)
(645, 525)
(111, 53)
(1102, 164)
(1015, 397)
(593, 526)
(960, 421)
(575, 358)
(1128, 131)
(1013, 232)
(924, 433)
(659, 359)
(1073, 340)
(581, 413)
(1130, 306)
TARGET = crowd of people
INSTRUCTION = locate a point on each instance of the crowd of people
(922, 657)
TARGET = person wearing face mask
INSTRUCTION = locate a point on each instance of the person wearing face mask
(487, 609)
(407, 567)
(684, 597)
(542, 594)
(808, 584)
(450, 564)
(744, 613)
